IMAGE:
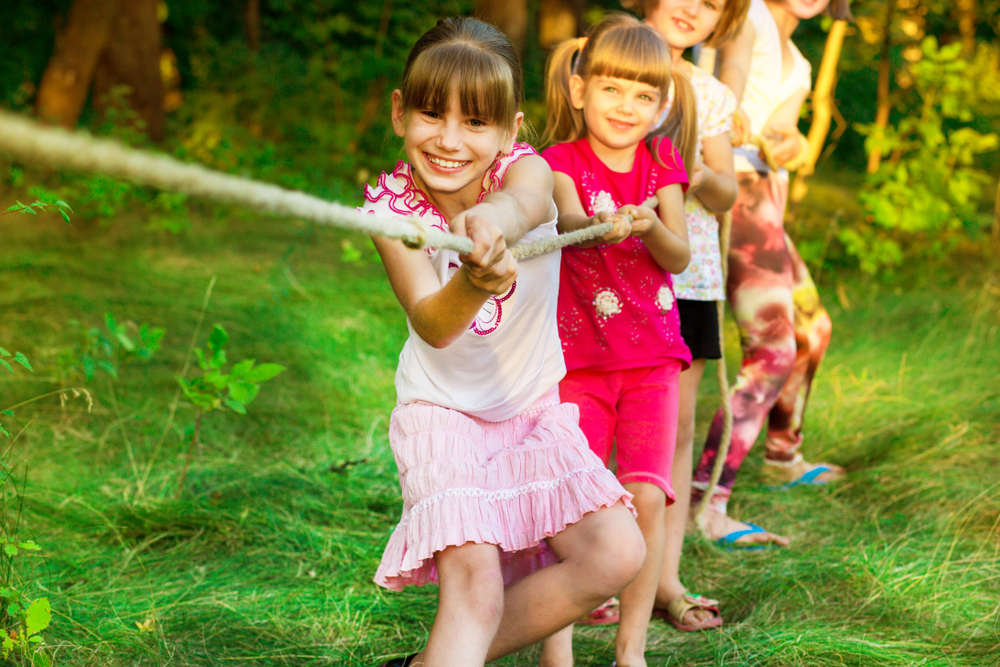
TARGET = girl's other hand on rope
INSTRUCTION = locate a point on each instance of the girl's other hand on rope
(740, 134)
(644, 218)
(622, 227)
(490, 266)
(784, 142)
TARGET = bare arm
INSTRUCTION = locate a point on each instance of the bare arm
(735, 56)
(524, 202)
(717, 189)
(440, 314)
(572, 216)
(665, 236)
(782, 128)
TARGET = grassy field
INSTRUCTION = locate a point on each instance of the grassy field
(267, 556)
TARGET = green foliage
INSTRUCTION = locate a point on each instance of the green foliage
(927, 198)
(214, 390)
(38, 205)
(22, 618)
(105, 350)
(4, 363)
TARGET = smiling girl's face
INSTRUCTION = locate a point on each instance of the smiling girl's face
(805, 9)
(684, 23)
(449, 150)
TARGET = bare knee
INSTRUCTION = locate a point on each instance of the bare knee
(471, 584)
(616, 555)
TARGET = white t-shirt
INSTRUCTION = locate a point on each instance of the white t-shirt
(765, 89)
(510, 356)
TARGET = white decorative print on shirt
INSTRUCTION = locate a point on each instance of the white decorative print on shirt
(491, 314)
(607, 303)
(665, 298)
(601, 202)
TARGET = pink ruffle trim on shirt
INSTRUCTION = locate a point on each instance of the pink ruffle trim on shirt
(534, 476)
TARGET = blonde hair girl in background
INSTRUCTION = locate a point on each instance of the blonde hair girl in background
(491, 463)
(785, 329)
(685, 23)
(617, 315)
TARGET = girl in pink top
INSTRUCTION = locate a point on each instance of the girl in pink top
(495, 474)
(617, 313)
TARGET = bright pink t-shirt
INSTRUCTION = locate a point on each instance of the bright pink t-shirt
(616, 305)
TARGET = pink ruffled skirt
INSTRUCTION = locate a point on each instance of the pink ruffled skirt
(511, 483)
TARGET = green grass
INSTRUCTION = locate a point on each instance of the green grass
(268, 555)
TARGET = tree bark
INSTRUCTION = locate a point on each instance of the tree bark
(965, 13)
(884, 73)
(70, 70)
(132, 58)
(822, 108)
(511, 16)
(558, 20)
(251, 22)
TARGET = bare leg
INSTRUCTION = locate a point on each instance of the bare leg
(637, 598)
(470, 605)
(598, 556)
(676, 515)
(557, 650)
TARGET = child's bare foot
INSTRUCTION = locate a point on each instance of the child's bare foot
(715, 525)
(798, 470)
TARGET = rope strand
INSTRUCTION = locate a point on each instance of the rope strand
(28, 141)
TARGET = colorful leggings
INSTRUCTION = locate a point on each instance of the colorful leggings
(784, 328)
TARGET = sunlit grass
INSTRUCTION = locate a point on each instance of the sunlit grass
(267, 557)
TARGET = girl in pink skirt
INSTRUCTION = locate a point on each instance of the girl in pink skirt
(496, 475)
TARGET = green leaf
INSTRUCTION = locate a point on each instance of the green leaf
(14, 609)
(4, 353)
(30, 546)
(23, 360)
(217, 339)
(4, 432)
(199, 354)
(9, 413)
(3, 362)
(88, 368)
(108, 368)
(235, 406)
(243, 392)
(241, 369)
(39, 616)
(7, 646)
(7, 593)
(265, 372)
(10, 549)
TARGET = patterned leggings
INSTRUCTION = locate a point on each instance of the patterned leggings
(784, 328)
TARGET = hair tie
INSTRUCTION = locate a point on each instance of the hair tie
(580, 43)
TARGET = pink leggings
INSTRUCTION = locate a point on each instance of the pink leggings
(785, 331)
(635, 409)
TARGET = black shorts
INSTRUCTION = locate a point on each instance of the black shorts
(700, 328)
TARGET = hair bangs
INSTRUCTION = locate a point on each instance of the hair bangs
(635, 53)
(485, 85)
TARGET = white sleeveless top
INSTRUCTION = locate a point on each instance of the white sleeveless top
(765, 89)
(510, 356)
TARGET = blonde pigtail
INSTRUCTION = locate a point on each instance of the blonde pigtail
(681, 125)
(563, 122)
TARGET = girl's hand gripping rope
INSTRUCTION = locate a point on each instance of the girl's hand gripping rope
(621, 230)
(490, 266)
(643, 218)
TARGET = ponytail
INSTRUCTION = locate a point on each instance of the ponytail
(681, 125)
(563, 122)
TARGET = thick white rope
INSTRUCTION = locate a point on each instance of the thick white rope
(56, 148)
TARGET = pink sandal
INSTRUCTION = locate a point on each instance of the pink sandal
(606, 614)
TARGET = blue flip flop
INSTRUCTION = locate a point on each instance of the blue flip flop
(809, 478)
(729, 541)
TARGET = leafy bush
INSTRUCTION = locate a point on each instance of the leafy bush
(96, 350)
(927, 198)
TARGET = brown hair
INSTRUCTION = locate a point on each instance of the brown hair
(734, 13)
(471, 55)
(621, 47)
(839, 10)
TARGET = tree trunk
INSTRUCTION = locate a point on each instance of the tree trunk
(558, 20)
(70, 70)
(132, 58)
(965, 13)
(251, 22)
(884, 73)
(822, 105)
(511, 16)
